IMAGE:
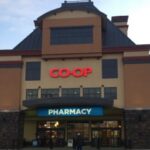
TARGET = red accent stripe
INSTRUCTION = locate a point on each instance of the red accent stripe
(10, 62)
(135, 48)
(137, 58)
(20, 52)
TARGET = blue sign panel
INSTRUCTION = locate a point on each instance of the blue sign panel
(70, 111)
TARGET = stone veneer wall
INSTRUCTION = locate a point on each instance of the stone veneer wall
(11, 129)
(137, 128)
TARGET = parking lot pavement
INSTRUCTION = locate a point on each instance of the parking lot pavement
(84, 148)
(67, 148)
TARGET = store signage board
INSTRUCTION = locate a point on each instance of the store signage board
(70, 111)
(66, 72)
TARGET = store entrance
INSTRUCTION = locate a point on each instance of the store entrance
(50, 129)
(61, 132)
(83, 128)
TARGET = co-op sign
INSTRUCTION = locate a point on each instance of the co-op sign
(66, 72)
(70, 111)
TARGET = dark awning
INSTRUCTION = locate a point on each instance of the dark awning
(67, 101)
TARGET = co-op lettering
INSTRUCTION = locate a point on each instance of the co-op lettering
(66, 72)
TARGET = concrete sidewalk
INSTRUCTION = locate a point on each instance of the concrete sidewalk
(67, 148)
(84, 148)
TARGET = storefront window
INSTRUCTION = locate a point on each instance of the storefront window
(71, 92)
(49, 93)
(71, 35)
(33, 71)
(108, 131)
(106, 124)
(51, 129)
(91, 92)
(110, 92)
(109, 68)
(31, 94)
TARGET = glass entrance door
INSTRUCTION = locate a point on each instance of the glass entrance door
(83, 128)
(108, 137)
(109, 133)
(54, 130)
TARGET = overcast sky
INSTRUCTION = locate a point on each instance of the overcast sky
(17, 16)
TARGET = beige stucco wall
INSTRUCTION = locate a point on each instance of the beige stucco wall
(133, 54)
(29, 130)
(10, 58)
(137, 86)
(92, 80)
(118, 82)
(71, 49)
(10, 83)
(10, 88)
(72, 14)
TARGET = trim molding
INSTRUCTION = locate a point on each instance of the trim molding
(11, 64)
(108, 50)
(20, 52)
(137, 60)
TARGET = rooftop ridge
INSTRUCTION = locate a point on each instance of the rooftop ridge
(77, 1)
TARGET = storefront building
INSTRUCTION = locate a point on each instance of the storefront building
(77, 72)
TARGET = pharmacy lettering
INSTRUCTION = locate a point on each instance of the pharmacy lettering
(75, 111)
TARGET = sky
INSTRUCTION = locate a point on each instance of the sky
(17, 16)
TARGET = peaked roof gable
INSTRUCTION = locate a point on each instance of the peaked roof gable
(113, 37)
(83, 6)
(32, 42)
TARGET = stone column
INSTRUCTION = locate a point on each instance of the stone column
(11, 129)
(137, 128)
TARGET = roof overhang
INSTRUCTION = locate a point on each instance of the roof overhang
(69, 101)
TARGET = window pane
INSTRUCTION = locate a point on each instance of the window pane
(33, 70)
(110, 92)
(48, 93)
(91, 92)
(31, 94)
(72, 35)
(73, 92)
(109, 68)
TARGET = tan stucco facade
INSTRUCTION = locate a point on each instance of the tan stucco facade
(10, 83)
(137, 79)
(10, 88)
(94, 79)
(136, 54)
(72, 14)
(30, 130)
(116, 82)
(41, 114)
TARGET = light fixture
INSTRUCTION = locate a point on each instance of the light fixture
(56, 124)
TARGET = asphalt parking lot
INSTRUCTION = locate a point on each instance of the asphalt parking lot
(84, 148)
